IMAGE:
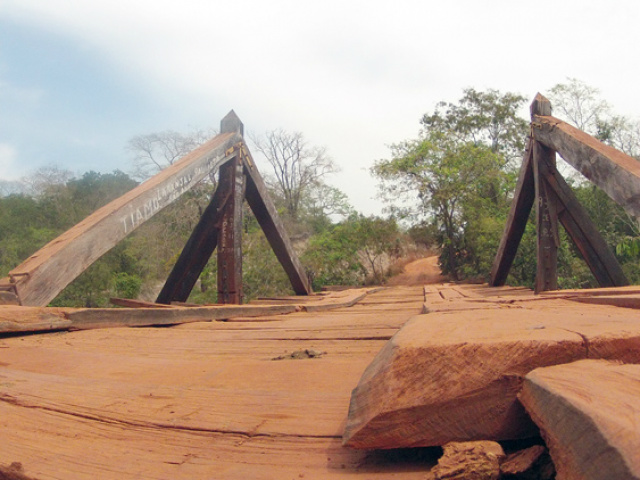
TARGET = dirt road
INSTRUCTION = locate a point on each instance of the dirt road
(423, 271)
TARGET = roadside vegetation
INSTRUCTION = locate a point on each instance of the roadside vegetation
(447, 191)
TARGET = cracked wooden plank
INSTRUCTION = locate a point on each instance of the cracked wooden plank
(198, 398)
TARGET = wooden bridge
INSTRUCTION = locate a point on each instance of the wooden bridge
(268, 396)
(278, 388)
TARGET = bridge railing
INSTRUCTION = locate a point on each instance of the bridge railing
(540, 184)
(41, 277)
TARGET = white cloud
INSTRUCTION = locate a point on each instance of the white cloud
(8, 157)
(353, 75)
(28, 97)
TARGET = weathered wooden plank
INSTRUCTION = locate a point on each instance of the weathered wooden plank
(18, 319)
(47, 272)
(436, 381)
(182, 403)
(265, 211)
(593, 292)
(131, 303)
(575, 219)
(447, 377)
(8, 298)
(624, 301)
(589, 415)
(86, 319)
(614, 172)
(516, 221)
(232, 182)
(336, 300)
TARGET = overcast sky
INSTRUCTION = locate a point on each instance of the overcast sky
(78, 78)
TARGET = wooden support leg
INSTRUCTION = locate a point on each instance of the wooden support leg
(546, 223)
(574, 218)
(232, 180)
(265, 211)
(516, 221)
(196, 253)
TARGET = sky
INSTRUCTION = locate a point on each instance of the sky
(79, 78)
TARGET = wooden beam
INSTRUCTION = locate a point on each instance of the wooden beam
(265, 211)
(445, 377)
(614, 172)
(46, 273)
(232, 182)
(196, 253)
(546, 224)
(92, 318)
(574, 218)
(204, 239)
(546, 209)
(516, 221)
(588, 414)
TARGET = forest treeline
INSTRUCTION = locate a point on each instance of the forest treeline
(448, 190)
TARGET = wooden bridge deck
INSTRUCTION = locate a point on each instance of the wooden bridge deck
(200, 400)
(217, 399)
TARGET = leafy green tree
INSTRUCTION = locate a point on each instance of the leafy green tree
(24, 228)
(351, 252)
(127, 285)
(378, 239)
(443, 177)
(488, 118)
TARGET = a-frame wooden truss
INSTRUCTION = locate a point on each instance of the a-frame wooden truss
(41, 277)
(539, 181)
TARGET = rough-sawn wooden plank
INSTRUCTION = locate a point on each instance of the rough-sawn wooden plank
(589, 415)
(455, 377)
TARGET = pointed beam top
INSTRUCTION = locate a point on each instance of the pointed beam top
(540, 106)
(231, 124)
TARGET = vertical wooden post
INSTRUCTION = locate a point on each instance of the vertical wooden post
(546, 209)
(232, 180)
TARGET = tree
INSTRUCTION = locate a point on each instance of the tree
(322, 203)
(46, 180)
(154, 152)
(579, 104)
(378, 239)
(621, 133)
(297, 168)
(488, 118)
(445, 176)
(24, 227)
(352, 252)
(11, 187)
